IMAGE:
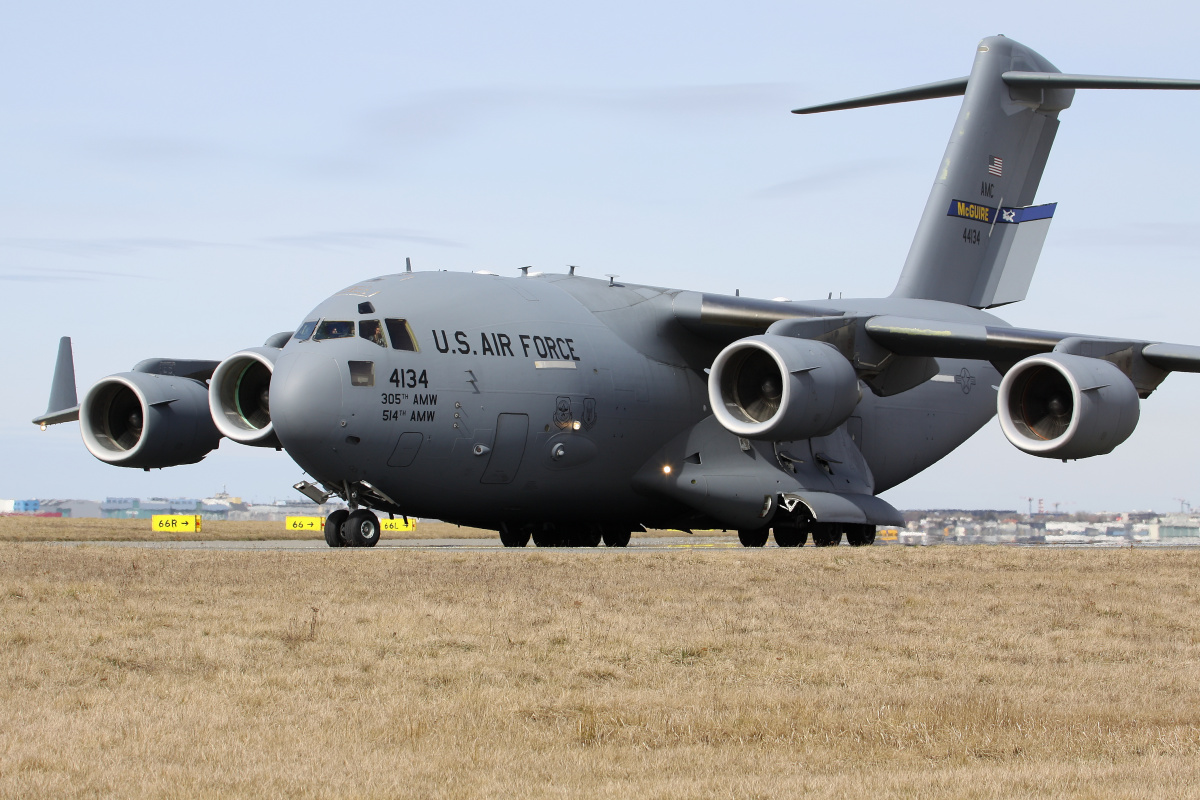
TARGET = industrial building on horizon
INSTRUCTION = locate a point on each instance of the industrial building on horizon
(220, 506)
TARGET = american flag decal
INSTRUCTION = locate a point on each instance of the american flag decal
(995, 165)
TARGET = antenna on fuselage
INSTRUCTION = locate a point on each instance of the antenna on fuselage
(407, 264)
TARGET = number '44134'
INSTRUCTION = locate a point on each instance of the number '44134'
(408, 379)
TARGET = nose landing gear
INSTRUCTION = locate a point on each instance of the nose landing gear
(359, 528)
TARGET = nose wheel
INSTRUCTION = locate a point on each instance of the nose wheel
(333, 528)
(359, 528)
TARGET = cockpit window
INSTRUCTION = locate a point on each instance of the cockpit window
(372, 331)
(402, 335)
(306, 330)
(334, 329)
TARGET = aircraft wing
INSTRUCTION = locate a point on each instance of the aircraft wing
(1004, 346)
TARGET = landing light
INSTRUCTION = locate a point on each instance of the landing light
(576, 425)
(667, 469)
(43, 426)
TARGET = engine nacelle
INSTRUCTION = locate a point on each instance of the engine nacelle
(782, 389)
(239, 397)
(138, 419)
(1063, 406)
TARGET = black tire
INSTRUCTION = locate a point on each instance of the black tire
(361, 528)
(333, 528)
(588, 536)
(615, 535)
(860, 535)
(513, 534)
(547, 535)
(791, 535)
(756, 538)
(826, 534)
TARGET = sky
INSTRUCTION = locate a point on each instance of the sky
(184, 180)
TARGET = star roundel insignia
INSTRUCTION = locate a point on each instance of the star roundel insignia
(965, 379)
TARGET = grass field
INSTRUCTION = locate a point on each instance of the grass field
(955, 672)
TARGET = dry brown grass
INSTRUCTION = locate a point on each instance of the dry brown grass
(888, 672)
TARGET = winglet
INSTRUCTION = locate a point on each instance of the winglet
(64, 404)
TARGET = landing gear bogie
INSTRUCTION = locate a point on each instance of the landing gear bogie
(559, 534)
(358, 528)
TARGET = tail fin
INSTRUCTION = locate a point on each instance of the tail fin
(64, 404)
(979, 238)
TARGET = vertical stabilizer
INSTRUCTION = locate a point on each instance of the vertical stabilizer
(64, 403)
(980, 237)
(978, 243)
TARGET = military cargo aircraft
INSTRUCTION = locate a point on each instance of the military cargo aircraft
(572, 411)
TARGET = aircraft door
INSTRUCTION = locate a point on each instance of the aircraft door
(512, 431)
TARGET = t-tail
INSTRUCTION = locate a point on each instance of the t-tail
(981, 234)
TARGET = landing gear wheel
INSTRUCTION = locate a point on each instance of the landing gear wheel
(860, 535)
(333, 528)
(827, 534)
(547, 535)
(514, 534)
(791, 535)
(615, 535)
(757, 538)
(587, 536)
(361, 528)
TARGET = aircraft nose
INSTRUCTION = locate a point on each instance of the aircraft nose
(306, 406)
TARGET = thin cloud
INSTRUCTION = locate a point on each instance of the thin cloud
(103, 247)
(1147, 234)
(160, 149)
(357, 240)
(829, 178)
(436, 116)
(53, 275)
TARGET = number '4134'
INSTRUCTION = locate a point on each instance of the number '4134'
(408, 379)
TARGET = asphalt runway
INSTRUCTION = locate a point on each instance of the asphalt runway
(465, 545)
(648, 544)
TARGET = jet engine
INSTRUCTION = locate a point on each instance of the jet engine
(782, 389)
(1064, 406)
(239, 396)
(148, 421)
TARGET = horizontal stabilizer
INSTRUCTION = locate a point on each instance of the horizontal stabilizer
(1058, 80)
(954, 87)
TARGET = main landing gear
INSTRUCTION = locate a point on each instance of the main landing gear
(358, 528)
(824, 534)
(549, 534)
